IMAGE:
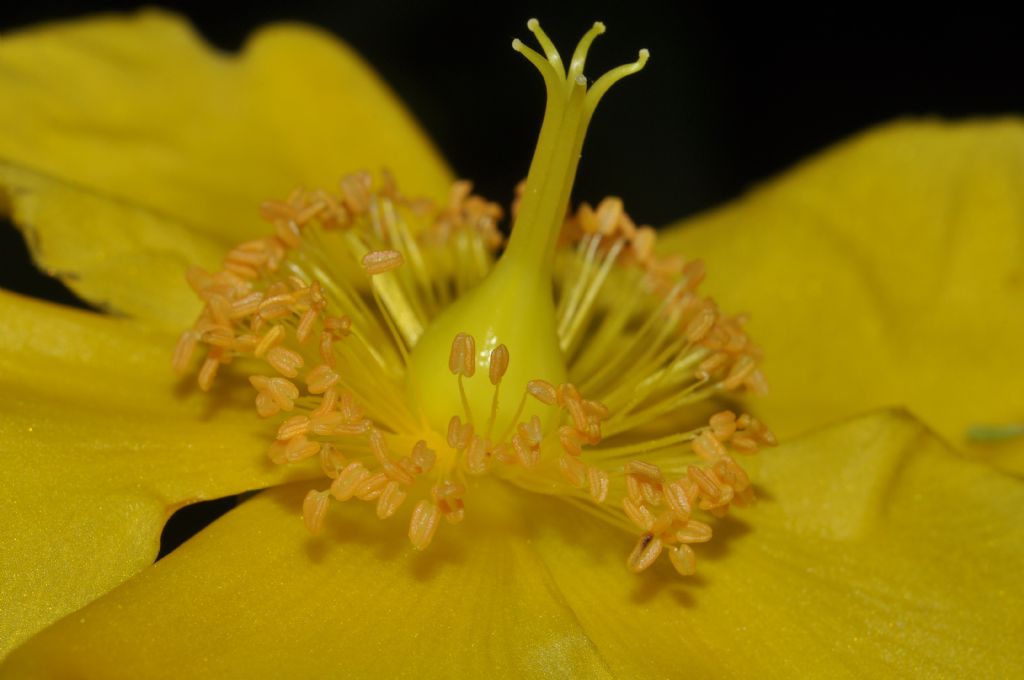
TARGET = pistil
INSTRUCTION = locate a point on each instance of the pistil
(514, 305)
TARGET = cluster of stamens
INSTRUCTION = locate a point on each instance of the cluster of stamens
(322, 373)
(327, 314)
(663, 510)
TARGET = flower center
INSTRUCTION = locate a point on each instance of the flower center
(514, 305)
(393, 348)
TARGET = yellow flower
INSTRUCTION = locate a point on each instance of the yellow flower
(886, 273)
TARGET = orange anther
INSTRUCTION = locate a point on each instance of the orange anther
(573, 470)
(543, 391)
(423, 524)
(285, 361)
(382, 261)
(693, 532)
(645, 553)
(646, 471)
(423, 457)
(314, 507)
(320, 379)
(462, 358)
(597, 480)
(683, 559)
(499, 364)
(271, 338)
(345, 483)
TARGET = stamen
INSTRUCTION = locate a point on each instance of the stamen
(462, 362)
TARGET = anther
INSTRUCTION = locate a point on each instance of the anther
(423, 457)
(701, 324)
(638, 513)
(320, 379)
(345, 483)
(683, 559)
(478, 459)
(647, 471)
(459, 433)
(677, 499)
(645, 553)
(598, 483)
(314, 507)
(499, 364)
(293, 427)
(208, 373)
(276, 307)
(270, 339)
(390, 500)
(694, 532)
(543, 391)
(299, 448)
(462, 360)
(707, 446)
(573, 470)
(285, 361)
(382, 261)
(355, 190)
(183, 351)
(371, 487)
(704, 481)
(423, 524)
(723, 425)
(332, 462)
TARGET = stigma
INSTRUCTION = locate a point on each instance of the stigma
(408, 349)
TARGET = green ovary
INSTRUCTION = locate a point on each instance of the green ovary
(514, 305)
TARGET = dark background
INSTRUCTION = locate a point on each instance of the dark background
(728, 99)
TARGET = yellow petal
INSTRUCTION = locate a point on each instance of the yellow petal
(876, 553)
(138, 108)
(255, 596)
(118, 256)
(100, 445)
(887, 271)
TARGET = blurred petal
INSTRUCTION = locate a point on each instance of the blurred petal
(887, 271)
(897, 561)
(264, 599)
(140, 109)
(118, 256)
(100, 446)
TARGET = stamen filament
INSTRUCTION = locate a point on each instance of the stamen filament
(465, 401)
(648, 446)
(494, 411)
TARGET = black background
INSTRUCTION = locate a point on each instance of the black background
(730, 97)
